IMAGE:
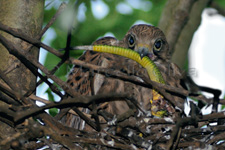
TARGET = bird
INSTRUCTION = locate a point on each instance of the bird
(145, 39)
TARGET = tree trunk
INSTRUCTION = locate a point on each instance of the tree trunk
(184, 41)
(26, 16)
(177, 16)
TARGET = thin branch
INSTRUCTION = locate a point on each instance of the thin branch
(36, 98)
(62, 7)
(7, 81)
(19, 34)
(79, 100)
(11, 93)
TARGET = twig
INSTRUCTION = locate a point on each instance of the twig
(36, 98)
(59, 11)
(101, 141)
(9, 91)
(216, 138)
(6, 80)
(18, 33)
(79, 100)
(181, 122)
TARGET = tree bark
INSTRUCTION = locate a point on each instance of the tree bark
(27, 17)
(184, 41)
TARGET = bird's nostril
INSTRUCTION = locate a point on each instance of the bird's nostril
(143, 51)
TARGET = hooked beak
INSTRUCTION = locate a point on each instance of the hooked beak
(144, 51)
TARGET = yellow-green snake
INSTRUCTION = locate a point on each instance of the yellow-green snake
(149, 65)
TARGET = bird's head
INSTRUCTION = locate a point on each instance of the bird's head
(148, 41)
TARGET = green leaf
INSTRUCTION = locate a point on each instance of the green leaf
(53, 111)
(50, 95)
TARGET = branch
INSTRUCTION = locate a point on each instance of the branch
(179, 18)
(78, 101)
(19, 34)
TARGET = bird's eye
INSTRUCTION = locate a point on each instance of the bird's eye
(131, 41)
(158, 45)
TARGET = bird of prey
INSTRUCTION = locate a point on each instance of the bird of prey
(148, 41)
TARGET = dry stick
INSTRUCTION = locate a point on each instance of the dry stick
(53, 87)
(51, 72)
(212, 117)
(60, 128)
(11, 93)
(59, 11)
(7, 81)
(216, 130)
(180, 123)
(8, 140)
(207, 130)
(101, 141)
(8, 100)
(6, 114)
(66, 142)
(35, 145)
(66, 54)
(36, 98)
(216, 138)
(177, 139)
(17, 33)
(79, 100)
(86, 119)
(191, 143)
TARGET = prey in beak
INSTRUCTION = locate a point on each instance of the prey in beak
(144, 51)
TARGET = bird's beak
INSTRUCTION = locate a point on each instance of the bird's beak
(144, 51)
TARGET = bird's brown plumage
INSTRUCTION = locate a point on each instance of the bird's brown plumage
(141, 38)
